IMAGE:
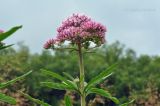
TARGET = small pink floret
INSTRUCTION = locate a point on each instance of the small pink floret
(1, 31)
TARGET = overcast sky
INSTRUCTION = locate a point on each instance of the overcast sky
(135, 23)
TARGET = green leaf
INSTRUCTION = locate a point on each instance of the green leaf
(8, 33)
(35, 100)
(102, 76)
(99, 91)
(103, 93)
(115, 100)
(63, 79)
(3, 47)
(68, 101)
(7, 99)
(53, 85)
(68, 76)
(2, 85)
(126, 104)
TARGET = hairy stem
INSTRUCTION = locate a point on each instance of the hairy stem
(82, 76)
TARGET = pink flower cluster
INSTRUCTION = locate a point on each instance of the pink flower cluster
(78, 29)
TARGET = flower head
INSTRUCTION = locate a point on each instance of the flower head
(50, 43)
(79, 29)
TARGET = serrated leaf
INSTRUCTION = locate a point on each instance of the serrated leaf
(8, 33)
(7, 99)
(103, 93)
(68, 101)
(35, 100)
(59, 86)
(68, 76)
(102, 76)
(3, 85)
(126, 104)
(63, 79)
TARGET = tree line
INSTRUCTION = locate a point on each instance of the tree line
(136, 77)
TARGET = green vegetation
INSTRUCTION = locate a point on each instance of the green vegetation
(136, 77)
(3, 97)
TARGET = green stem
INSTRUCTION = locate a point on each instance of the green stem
(81, 67)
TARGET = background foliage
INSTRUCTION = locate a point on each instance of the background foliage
(135, 77)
